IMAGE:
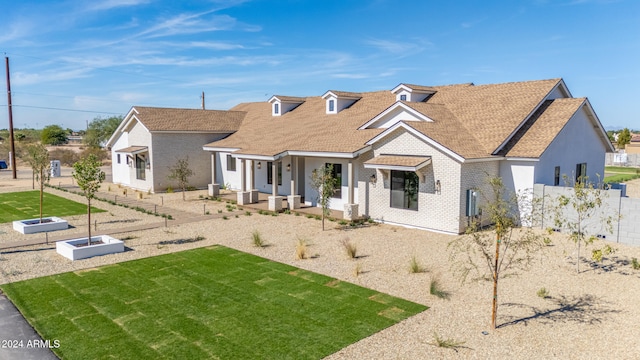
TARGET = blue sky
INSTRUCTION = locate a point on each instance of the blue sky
(72, 61)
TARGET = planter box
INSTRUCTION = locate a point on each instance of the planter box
(32, 226)
(68, 249)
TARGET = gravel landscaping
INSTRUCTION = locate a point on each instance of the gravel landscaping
(593, 314)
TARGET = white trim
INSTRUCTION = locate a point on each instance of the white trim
(254, 157)
(382, 221)
(190, 132)
(495, 158)
(521, 159)
(393, 107)
(219, 149)
(421, 136)
(344, 96)
(595, 118)
(120, 129)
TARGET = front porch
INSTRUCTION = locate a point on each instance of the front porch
(263, 204)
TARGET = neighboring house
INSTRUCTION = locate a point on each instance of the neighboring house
(633, 147)
(150, 140)
(413, 156)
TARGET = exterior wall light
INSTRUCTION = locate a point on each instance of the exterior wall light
(438, 186)
(259, 165)
(372, 179)
(288, 167)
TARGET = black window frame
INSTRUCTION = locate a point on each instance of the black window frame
(141, 173)
(118, 158)
(270, 173)
(556, 176)
(336, 173)
(231, 163)
(398, 182)
(403, 97)
(581, 172)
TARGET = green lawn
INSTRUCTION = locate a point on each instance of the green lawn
(205, 303)
(26, 205)
(620, 169)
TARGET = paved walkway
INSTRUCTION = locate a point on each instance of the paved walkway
(18, 340)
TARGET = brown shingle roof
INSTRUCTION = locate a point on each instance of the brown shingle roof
(187, 120)
(346, 94)
(398, 160)
(294, 99)
(543, 126)
(472, 121)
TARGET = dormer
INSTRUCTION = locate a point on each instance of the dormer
(337, 101)
(283, 104)
(412, 93)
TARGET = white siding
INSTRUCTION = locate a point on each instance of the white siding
(120, 172)
(577, 143)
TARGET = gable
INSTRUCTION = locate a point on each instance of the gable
(393, 115)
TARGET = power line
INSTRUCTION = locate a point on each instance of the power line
(62, 109)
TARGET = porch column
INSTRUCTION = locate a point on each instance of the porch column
(253, 197)
(275, 201)
(243, 195)
(293, 200)
(214, 188)
(350, 209)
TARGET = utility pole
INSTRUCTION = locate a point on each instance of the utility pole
(203, 100)
(11, 141)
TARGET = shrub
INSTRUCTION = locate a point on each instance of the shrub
(225, 217)
(635, 264)
(101, 154)
(258, 241)
(350, 248)
(301, 249)
(446, 343)
(435, 290)
(169, 190)
(343, 222)
(67, 157)
(248, 213)
(357, 270)
(309, 216)
(543, 293)
(415, 267)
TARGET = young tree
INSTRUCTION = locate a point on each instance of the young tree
(323, 182)
(89, 176)
(502, 248)
(181, 173)
(38, 159)
(581, 208)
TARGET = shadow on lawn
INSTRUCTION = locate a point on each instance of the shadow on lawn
(585, 309)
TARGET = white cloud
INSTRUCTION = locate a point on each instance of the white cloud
(110, 4)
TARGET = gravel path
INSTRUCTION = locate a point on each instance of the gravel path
(593, 314)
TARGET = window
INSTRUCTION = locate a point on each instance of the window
(403, 97)
(270, 173)
(404, 190)
(332, 105)
(140, 165)
(336, 173)
(276, 108)
(556, 176)
(118, 156)
(581, 172)
(231, 163)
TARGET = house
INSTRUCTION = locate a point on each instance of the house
(150, 140)
(413, 156)
(633, 147)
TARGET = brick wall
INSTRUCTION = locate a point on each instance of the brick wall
(436, 211)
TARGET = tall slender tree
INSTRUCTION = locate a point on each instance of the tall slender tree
(501, 248)
(89, 176)
(38, 159)
(324, 183)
